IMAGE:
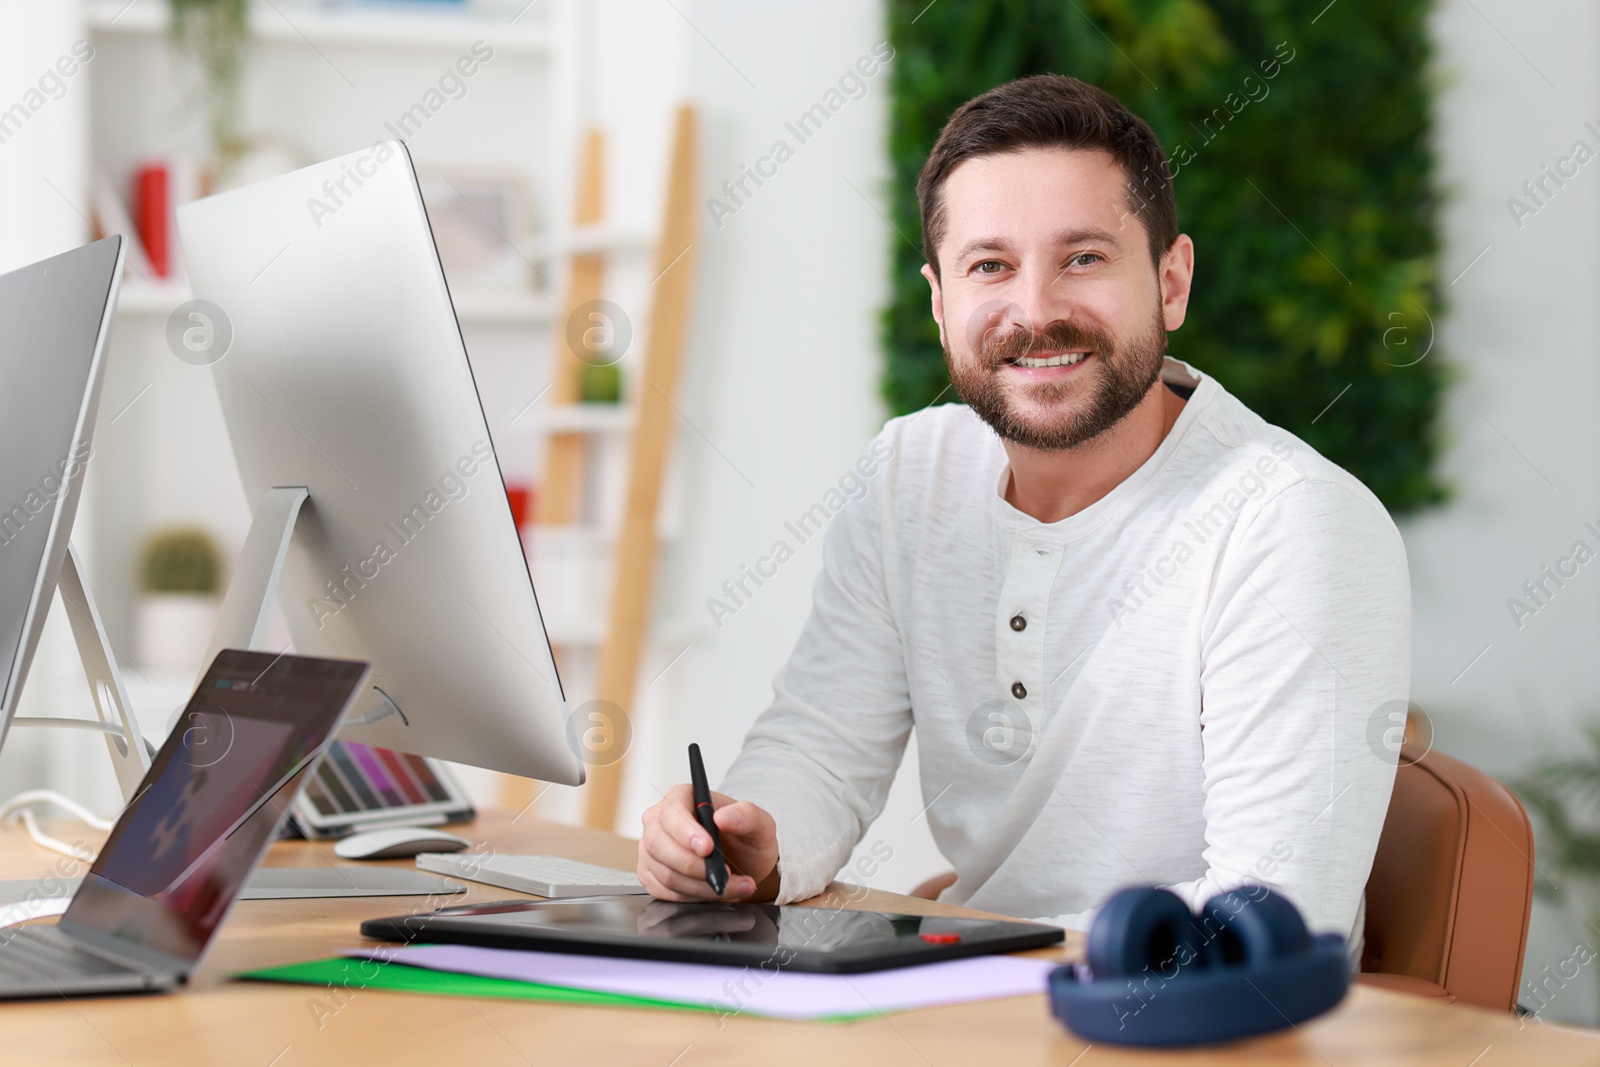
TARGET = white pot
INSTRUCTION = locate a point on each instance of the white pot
(175, 628)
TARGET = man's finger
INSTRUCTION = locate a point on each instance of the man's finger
(680, 824)
(740, 817)
(653, 886)
(678, 886)
(674, 856)
(653, 878)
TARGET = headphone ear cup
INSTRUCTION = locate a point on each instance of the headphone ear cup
(1252, 927)
(1142, 928)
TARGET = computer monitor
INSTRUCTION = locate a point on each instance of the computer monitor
(57, 316)
(381, 518)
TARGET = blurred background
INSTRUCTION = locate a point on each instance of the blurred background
(1395, 208)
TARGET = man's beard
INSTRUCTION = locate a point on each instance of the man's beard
(1122, 379)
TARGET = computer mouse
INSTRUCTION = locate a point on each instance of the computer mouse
(395, 842)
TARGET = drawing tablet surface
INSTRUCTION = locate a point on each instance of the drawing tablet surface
(792, 937)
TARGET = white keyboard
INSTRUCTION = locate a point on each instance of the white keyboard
(543, 876)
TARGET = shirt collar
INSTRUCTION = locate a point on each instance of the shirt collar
(1173, 372)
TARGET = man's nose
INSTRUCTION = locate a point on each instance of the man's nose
(1038, 298)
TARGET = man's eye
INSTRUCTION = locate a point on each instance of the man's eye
(1086, 259)
(989, 266)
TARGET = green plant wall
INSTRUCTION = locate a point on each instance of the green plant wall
(1304, 173)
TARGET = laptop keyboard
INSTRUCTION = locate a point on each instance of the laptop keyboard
(43, 959)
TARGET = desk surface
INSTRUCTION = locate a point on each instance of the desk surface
(216, 1021)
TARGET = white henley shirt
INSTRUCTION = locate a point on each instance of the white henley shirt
(1178, 685)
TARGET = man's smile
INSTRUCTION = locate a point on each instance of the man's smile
(1047, 366)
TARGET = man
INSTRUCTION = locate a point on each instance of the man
(1141, 633)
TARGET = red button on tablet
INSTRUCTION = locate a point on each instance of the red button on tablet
(940, 939)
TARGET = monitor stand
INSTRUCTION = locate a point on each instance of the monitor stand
(240, 623)
(130, 757)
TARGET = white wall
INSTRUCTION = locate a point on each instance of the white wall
(1518, 84)
(781, 394)
(36, 221)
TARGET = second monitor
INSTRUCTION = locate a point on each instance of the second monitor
(359, 433)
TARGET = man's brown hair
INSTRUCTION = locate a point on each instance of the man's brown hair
(1052, 111)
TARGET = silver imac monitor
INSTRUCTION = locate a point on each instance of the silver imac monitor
(55, 317)
(381, 519)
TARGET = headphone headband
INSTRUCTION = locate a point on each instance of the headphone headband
(1159, 975)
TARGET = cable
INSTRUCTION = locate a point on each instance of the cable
(17, 810)
(50, 796)
(81, 724)
(54, 844)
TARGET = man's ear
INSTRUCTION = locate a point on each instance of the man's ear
(1176, 275)
(936, 300)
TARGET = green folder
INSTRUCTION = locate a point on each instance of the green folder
(344, 973)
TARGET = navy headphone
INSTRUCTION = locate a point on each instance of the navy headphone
(1160, 975)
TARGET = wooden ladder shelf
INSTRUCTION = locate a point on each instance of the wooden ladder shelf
(653, 389)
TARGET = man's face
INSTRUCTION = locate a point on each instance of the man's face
(1052, 315)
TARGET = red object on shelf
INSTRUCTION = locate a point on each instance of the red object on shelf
(152, 212)
(521, 499)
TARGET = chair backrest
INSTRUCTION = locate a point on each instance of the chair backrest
(1452, 884)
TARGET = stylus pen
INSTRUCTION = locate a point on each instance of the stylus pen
(716, 870)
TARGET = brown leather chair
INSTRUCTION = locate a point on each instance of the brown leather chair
(1451, 888)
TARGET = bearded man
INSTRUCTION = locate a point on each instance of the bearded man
(1140, 632)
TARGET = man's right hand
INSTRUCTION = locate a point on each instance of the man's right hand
(674, 847)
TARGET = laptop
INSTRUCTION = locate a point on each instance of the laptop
(199, 824)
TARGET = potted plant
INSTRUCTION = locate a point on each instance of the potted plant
(214, 33)
(178, 606)
(1562, 794)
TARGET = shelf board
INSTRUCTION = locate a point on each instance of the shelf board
(590, 633)
(486, 307)
(354, 24)
(150, 298)
(503, 308)
(584, 418)
(584, 240)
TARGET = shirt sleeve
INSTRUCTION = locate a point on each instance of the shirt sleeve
(1306, 652)
(822, 756)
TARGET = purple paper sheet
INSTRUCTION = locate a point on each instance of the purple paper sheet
(768, 991)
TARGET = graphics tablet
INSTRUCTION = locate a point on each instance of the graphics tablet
(826, 940)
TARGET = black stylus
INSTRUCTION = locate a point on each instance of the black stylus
(716, 870)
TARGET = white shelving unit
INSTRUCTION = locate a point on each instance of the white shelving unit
(417, 28)
(328, 79)
(485, 307)
(323, 80)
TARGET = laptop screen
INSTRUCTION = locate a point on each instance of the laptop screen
(213, 800)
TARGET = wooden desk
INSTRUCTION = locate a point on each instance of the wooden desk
(219, 1022)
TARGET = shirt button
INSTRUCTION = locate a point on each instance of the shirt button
(1019, 690)
(1018, 623)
